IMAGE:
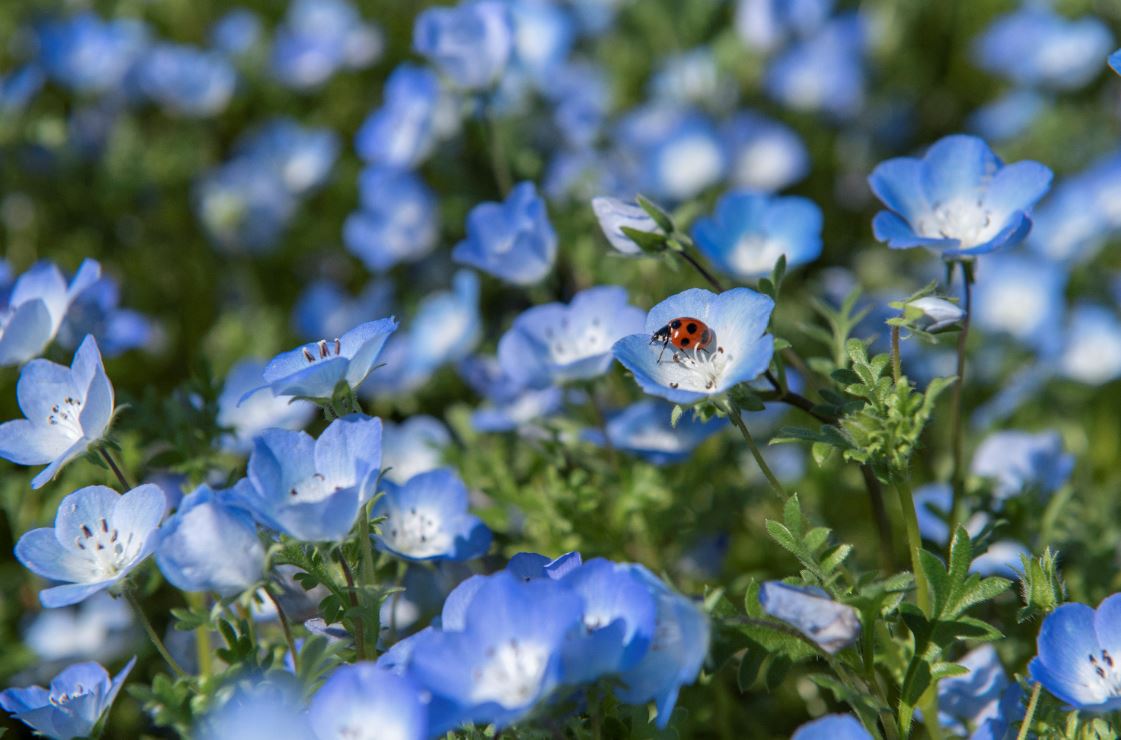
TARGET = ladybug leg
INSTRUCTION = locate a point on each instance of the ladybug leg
(663, 351)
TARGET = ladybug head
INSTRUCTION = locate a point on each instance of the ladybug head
(662, 335)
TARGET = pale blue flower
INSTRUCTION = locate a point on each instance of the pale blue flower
(236, 32)
(259, 412)
(766, 25)
(258, 709)
(99, 628)
(426, 518)
(512, 240)
(1079, 218)
(832, 727)
(325, 309)
(99, 536)
(581, 95)
(398, 220)
(1091, 353)
(509, 406)
(301, 157)
(320, 37)
(414, 446)
(1017, 460)
(974, 698)
(763, 155)
(832, 626)
(469, 43)
(187, 81)
(644, 429)
(674, 152)
(1008, 116)
(89, 55)
(613, 214)
(19, 86)
(36, 307)
(243, 207)
(402, 132)
(365, 702)
(823, 72)
(692, 78)
(542, 35)
(96, 311)
(1075, 661)
(1021, 295)
(73, 704)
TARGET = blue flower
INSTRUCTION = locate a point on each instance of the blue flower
(554, 343)
(1003, 558)
(95, 310)
(187, 81)
(259, 412)
(315, 370)
(266, 709)
(208, 545)
(72, 706)
(824, 72)
(529, 566)
(300, 157)
(312, 489)
(1021, 295)
(692, 77)
(1115, 61)
(1074, 659)
(1092, 352)
(36, 307)
(644, 429)
(414, 446)
(402, 132)
(100, 628)
(509, 406)
(972, 699)
(581, 98)
(1034, 46)
(319, 37)
(542, 33)
(470, 43)
(324, 309)
(236, 32)
(932, 506)
(427, 519)
(1077, 220)
(362, 700)
(19, 87)
(613, 214)
(740, 351)
(766, 25)
(512, 240)
(831, 625)
(243, 207)
(750, 231)
(68, 409)
(398, 220)
(1018, 460)
(674, 152)
(1008, 116)
(959, 198)
(98, 538)
(89, 55)
(763, 154)
(832, 727)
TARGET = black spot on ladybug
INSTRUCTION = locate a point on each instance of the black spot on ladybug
(691, 328)
(685, 342)
(675, 324)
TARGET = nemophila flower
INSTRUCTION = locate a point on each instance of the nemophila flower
(674, 152)
(937, 314)
(312, 489)
(832, 727)
(36, 306)
(187, 81)
(236, 32)
(325, 309)
(972, 699)
(301, 157)
(739, 350)
(1075, 655)
(614, 214)
(692, 77)
(1018, 460)
(763, 155)
(555, 343)
(318, 38)
(73, 704)
(364, 702)
(68, 409)
(19, 86)
(512, 240)
(259, 412)
(542, 34)
(1034, 46)
(823, 72)
(1008, 116)
(96, 311)
(89, 55)
(397, 222)
(208, 545)
(402, 132)
(99, 536)
(414, 446)
(1091, 353)
(243, 207)
(1021, 295)
(266, 709)
(426, 518)
(581, 174)
(509, 405)
(1074, 223)
(750, 231)
(100, 628)
(644, 429)
(315, 370)
(581, 97)
(765, 25)
(959, 199)
(469, 43)
(425, 590)
(831, 625)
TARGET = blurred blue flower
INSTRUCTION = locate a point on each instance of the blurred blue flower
(932, 506)
(469, 43)
(1008, 116)
(68, 409)
(959, 199)
(972, 699)
(236, 32)
(208, 545)
(33, 311)
(509, 406)
(644, 429)
(613, 214)
(674, 152)
(89, 55)
(402, 132)
(320, 37)
(300, 157)
(750, 231)
(73, 704)
(1021, 295)
(1115, 61)
(258, 709)
(187, 81)
(95, 310)
(426, 589)
(426, 518)
(99, 536)
(362, 700)
(740, 351)
(584, 173)
(1034, 46)
(1002, 558)
(96, 629)
(19, 86)
(243, 207)
(555, 343)
(581, 96)
(512, 240)
(766, 25)
(1017, 460)
(1092, 352)
(1074, 660)
(414, 446)
(832, 727)
(823, 72)
(763, 154)
(398, 220)
(1075, 222)
(542, 33)
(315, 370)
(324, 309)
(312, 489)
(259, 412)
(692, 78)
(831, 625)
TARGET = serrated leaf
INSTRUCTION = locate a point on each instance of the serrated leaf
(782, 536)
(792, 516)
(835, 557)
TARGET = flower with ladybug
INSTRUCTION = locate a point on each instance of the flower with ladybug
(700, 344)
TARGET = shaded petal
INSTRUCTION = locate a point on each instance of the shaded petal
(363, 344)
(348, 451)
(26, 333)
(1107, 625)
(72, 593)
(41, 552)
(1017, 187)
(898, 234)
(25, 443)
(44, 282)
(140, 510)
(97, 411)
(47, 474)
(740, 317)
(88, 273)
(41, 385)
(898, 183)
(86, 363)
(694, 303)
(86, 507)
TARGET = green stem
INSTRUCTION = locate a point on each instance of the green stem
(286, 626)
(352, 592)
(958, 442)
(708, 276)
(202, 636)
(914, 540)
(734, 415)
(896, 362)
(499, 162)
(148, 628)
(108, 458)
(1030, 713)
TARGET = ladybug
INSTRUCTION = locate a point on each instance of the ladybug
(684, 333)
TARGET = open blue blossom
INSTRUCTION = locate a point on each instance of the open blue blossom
(312, 489)
(675, 152)
(68, 409)
(823, 72)
(100, 628)
(750, 231)
(364, 702)
(89, 55)
(73, 704)
(613, 214)
(763, 155)
(972, 699)
(398, 220)
(831, 625)
(1021, 295)
(99, 536)
(208, 545)
(36, 307)
(509, 406)
(644, 429)
(469, 43)
(236, 32)
(554, 343)
(426, 519)
(402, 132)
(187, 81)
(300, 157)
(959, 199)
(318, 38)
(766, 25)
(243, 207)
(325, 309)
(315, 370)
(1018, 460)
(1074, 659)
(259, 412)
(1036, 47)
(740, 351)
(529, 566)
(512, 240)
(1092, 351)
(414, 446)
(832, 727)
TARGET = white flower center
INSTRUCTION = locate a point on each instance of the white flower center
(512, 674)
(755, 253)
(566, 345)
(65, 416)
(703, 368)
(104, 547)
(415, 531)
(313, 489)
(964, 219)
(1107, 674)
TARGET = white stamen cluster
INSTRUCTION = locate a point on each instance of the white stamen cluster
(512, 674)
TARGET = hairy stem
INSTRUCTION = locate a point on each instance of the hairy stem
(958, 441)
(896, 361)
(1030, 713)
(112, 463)
(708, 276)
(734, 415)
(202, 636)
(286, 626)
(359, 624)
(151, 631)
(914, 540)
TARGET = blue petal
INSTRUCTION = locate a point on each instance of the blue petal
(84, 510)
(898, 183)
(25, 443)
(1017, 187)
(634, 353)
(1107, 625)
(1065, 640)
(349, 451)
(41, 385)
(693, 303)
(27, 333)
(957, 167)
(73, 593)
(890, 228)
(41, 552)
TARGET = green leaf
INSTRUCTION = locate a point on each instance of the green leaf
(647, 241)
(663, 219)
(752, 660)
(675, 415)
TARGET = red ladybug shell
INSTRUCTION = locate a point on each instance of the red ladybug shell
(685, 333)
